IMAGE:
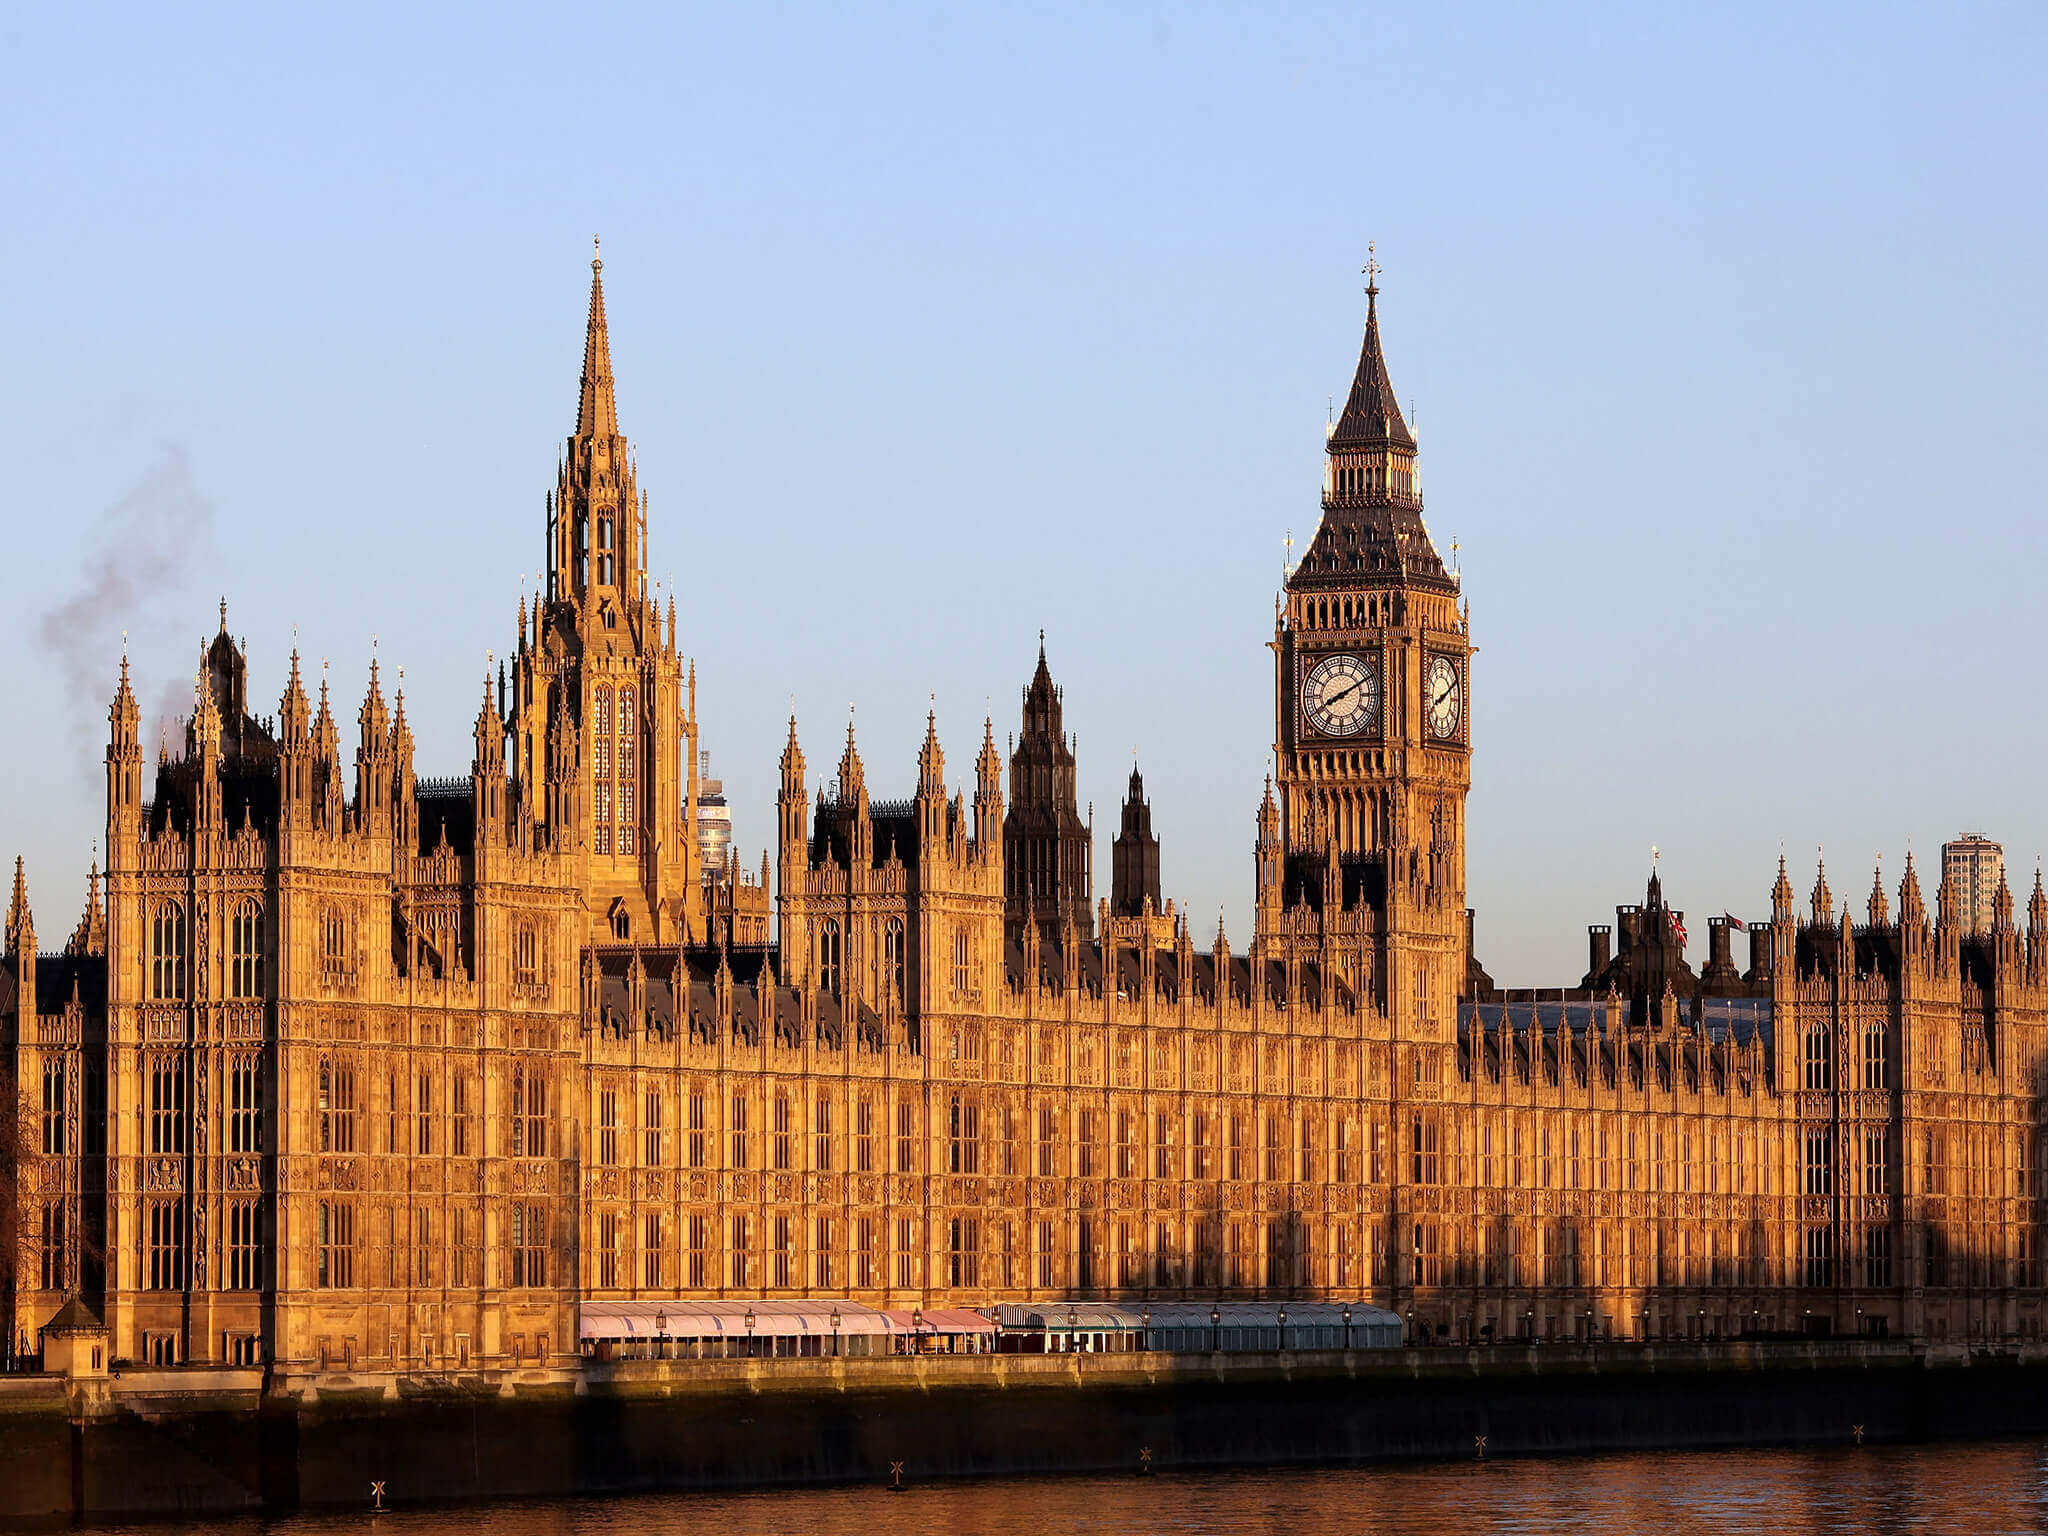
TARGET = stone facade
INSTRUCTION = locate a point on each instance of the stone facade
(373, 1069)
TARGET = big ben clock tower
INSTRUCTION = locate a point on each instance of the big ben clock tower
(1373, 726)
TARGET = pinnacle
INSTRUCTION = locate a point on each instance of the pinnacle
(597, 412)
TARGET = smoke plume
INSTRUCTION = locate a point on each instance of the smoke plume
(141, 553)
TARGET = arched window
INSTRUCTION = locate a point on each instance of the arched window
(525, 955)
(601, 773)
(604, 551)
(828, 957)
(892, 956)
(167, 952)
(627, 768)
(245, 964)
(334, 943)
(960, 961)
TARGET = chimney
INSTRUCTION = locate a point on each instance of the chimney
(1599, 939)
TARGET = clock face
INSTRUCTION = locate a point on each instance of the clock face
(1341, 695)
(1444, 697)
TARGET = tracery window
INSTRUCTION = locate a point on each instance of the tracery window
(245, 951)
(525, 954)
(892, 956)
(336, 960)
(166, 1105)
(167, 952)
(628, 770)
(245, 1103)
(601, 773)
(56, 1107)
(828, 957)
(336, 1081)
(529, 1112)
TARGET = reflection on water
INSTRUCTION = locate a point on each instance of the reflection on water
(1985, 1490)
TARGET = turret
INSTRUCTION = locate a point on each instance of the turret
(1879, 908)
(487, 773)
(21, 922)
(1912, 912)
(988, 793)
(2037, 931)
(373, 759)
(931, 788)
(404, 792)
(1134, 856)
(90, 936)
(124, 771)
(790, 809)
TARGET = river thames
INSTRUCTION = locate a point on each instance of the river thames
(1983, 1489)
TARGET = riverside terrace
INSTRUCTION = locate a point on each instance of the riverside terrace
(686, 1330)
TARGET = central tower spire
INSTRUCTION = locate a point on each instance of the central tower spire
(597, 409)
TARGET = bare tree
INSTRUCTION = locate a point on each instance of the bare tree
(16, 1157)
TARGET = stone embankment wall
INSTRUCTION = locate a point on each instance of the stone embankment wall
(168, 1442)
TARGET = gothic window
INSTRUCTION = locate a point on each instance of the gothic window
(529, 1112)
(529, 1246)
(651, 1130)
(742, 1233)
(601, 773)
(1425, 1158)
(458, 1117)
(167, 952)
(698, 1134)
(906, 1137)
(651, 1250)
(698, 1230)
(423, 1115)
(828, 957)
(864, 1135)
(608, 1250)
(525, 955)
(245, 1245)
(627, 769)
(739, 1130)
(1873, 1055)
(963, 1133)
(821, 1248)
(604, 551)
(245, 952)
(56, 1107)
(1876, 1163)
(608, 1127)
(423, 1251)
(56, 1245)
(245, 1103)
(892, 956)
(166, 1105)
(1820, 1167)
(821, 1127)
(960, 974)
(1819, 1076)
(337, 1105)
(779, 1130)
(164, 1233)
(335, 956)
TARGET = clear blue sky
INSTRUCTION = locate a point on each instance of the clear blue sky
(1724, 328)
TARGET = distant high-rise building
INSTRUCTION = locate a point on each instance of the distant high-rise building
(714, 820)
(1972, 867)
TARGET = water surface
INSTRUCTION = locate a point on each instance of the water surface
(1981, 1489)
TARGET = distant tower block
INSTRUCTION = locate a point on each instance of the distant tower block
(1972, 866)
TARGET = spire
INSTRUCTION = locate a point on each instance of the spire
(21, 923)
(931, 760)
(1880, 908)
(90, 936)
(852, 780)
(1372, 414)
(1912, 909)
(2037, 923)
(597, 411)
(792, 760)
(292, 709)
(1823, 899)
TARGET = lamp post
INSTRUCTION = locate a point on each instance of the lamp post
(1145, 1330)
(1283, 1330)
(1216, 1330)
(1347, 1326)
(835, 1333)
(661, 1335)
(917, 1330)
(1071, 1324)
(750, 1332)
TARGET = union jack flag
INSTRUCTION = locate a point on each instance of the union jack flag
(1678, 926)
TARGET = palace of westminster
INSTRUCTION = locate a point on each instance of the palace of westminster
(347, 1066)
